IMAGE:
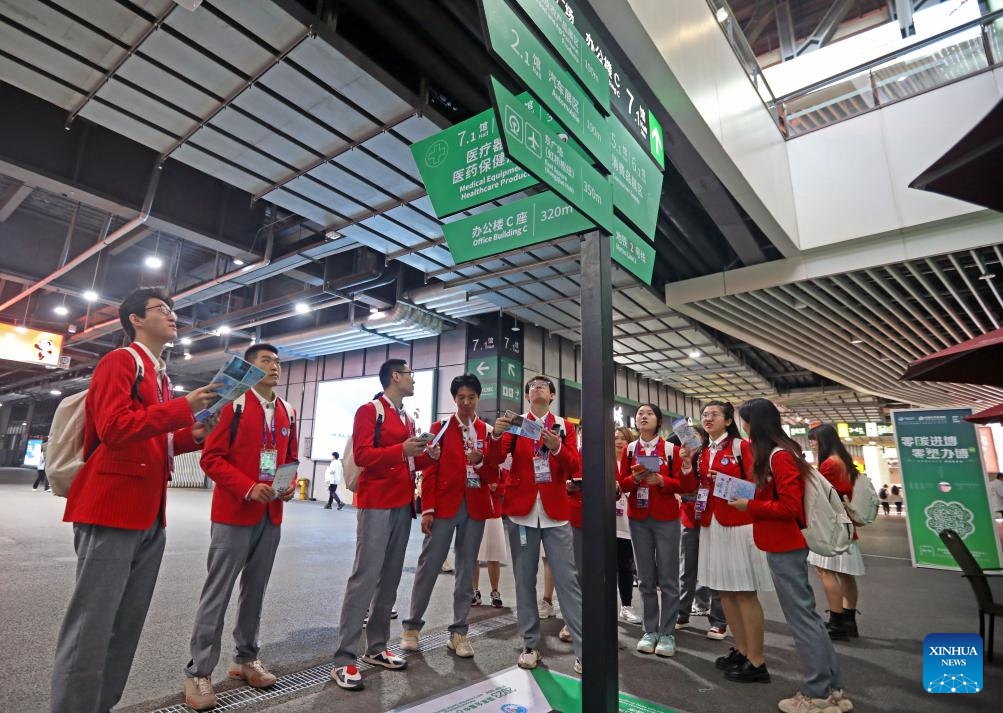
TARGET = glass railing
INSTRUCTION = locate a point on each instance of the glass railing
(960, 52)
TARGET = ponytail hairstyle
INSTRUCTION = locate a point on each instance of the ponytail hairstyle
(829, 445)
(762, 419)
(729, 415)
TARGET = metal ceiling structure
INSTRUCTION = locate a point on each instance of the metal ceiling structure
(279, 134)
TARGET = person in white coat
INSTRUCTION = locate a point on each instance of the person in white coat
(333, 477)
(996, 488)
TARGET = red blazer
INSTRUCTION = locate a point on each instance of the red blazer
(727, 516)
(234, 467)
(775, 520)
(124, 481)
(834, 470)
(444, 483)
(662, 503)
(520, 484)
(386, 479)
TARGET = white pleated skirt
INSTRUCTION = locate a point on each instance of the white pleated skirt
(850, 562)
(729, 560)
(493, 545)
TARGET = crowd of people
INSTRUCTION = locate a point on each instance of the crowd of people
(514, 482)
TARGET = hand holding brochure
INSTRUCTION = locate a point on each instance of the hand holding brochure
(687, 435)
(285, 477)
(235, 377)
(525, 427)
(730, 488)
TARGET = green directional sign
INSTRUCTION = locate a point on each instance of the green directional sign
(516, 45)
(527, 221)
(511, 391)
(557, 27)
(466, 165)
(630, 250)
(511, 370)
(636, 181)
(485, 368)
(656, 140)
(542, 153)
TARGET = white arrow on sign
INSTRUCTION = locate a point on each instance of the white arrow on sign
(511, 369)
(481, 369)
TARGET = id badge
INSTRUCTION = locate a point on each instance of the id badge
(642, 496)
(473, 480)
(701, 502)
(541, 469)
(267, 464)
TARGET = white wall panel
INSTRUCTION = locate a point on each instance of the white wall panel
(532, 344)
(423, 353)
(444, 403)
(452, 348)
(843, 186)
(920, 130)
(717, 102)
(375, 356)
(354, 364)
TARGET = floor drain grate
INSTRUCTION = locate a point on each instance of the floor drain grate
(318, 675)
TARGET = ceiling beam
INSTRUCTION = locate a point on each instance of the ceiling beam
(12, 198)
(827, 26)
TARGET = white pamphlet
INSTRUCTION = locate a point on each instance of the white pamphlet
(285, 476)
(730, 488)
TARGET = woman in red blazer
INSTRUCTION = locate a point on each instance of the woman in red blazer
(729, 561)
(838, 573)
(777, 514)
(653, 512)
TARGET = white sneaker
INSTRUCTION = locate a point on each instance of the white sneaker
(627, 614)
(546, 609)
(529, 658)
(409, 640)
(840, 700)
(564, 634)
(647, 643)
(800, 703)
(460, 645)
(447, 566)
(578, 666)
(199, 695)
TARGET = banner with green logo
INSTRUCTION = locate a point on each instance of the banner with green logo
(515, 690)
(945, 486)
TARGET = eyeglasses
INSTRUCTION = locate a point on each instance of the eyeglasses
(162, 308)
(404, 371)
(539, 385)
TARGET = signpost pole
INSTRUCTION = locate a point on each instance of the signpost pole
(599, 656)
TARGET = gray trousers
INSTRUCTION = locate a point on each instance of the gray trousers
(819, 664)
(689, 589)
(558, 546)
(433, 553)
(116, 573)
(656, 553)
(380, 545)
(579, 545)
(246, 551)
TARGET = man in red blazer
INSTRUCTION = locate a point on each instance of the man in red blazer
(132, 431)
(384, 498)
(536, 507)
(241, 458)
(455, 499)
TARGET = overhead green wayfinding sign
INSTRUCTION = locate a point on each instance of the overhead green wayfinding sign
(637, 182)
(558, 28)
(630, 250)
(535, 147)
(516, 45)
(524, 222)
(465, 165)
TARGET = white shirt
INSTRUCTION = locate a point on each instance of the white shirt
(538, 517)
(268, 407)
(335, 473)
(996, 488)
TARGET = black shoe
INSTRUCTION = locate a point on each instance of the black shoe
(734, 659)
(850, 623)
(747, 673)
(836, 628)
(341, 505)
(328, 506)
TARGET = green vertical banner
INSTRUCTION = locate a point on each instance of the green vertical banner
(945, 486)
